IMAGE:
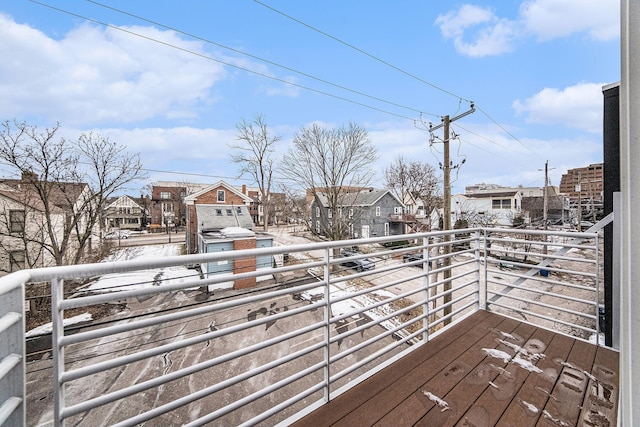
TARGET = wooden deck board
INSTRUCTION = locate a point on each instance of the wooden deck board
(570, 381)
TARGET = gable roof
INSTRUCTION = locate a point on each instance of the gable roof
(62, 195)
(217, 217)
(191, 198)
(360, 199)
(122, 201)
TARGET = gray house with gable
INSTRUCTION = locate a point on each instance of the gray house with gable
(369, 213)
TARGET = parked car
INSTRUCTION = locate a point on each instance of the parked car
(118, 234)
(411, 257)
(360, 264)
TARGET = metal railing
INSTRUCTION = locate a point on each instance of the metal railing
(183, 351)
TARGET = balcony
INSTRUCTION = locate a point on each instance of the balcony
(496, 326)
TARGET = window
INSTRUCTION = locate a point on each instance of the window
(317, 211)
(229, 212)
(350, 213)
(386, 228)
(317, 227)
(397, 210)
(330, 213)
(239, 210)
(501, 204)
(219, 212)
(165, 195)
(377, 210)
(221, 195)
(16, 221)
(167, 207)
(16, 260)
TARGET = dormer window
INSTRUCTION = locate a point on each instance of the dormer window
(221, 195)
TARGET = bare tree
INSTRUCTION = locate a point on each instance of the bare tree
(415, 179)
(330, 163)
(254, 153)
(67, 183)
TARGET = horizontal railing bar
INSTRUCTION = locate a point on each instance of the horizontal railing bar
(387, 332)
(254, 396)
(134, 293)
(542, 316)
(373, 356)
(8, 320)
(452, 278)
(185, 400)
(281, 406)
(541, 279)
(545, 305)
(452, 314)
(542, 292)
(8, 408)
(453, 301)
(8, 363)
(378, 321)
(13, 281)
(539, 255)
(172, 346)
(369, 307)
(450, 291)
(198, 311)
(550, 269)
(137, 388)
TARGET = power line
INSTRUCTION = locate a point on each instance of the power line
(259, 58)
(395, 68)
(232, 65)
(508, 133)
(362, 51)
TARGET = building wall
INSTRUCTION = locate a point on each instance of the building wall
(590, 178)
(167, 199)
(241, 265)
(366, 216)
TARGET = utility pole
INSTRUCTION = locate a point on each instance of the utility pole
(579, 188)
(545, 202)
(446, 223)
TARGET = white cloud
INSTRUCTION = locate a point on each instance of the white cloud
(578, 106)
(95, 75)
(493, 36)
(549, 19)
(477, 31)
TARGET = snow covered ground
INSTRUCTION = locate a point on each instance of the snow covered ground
(143, 278)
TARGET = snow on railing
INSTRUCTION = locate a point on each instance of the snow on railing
(186, 351)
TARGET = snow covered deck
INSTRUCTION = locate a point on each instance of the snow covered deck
(488, 370)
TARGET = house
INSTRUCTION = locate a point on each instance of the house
(235, 238)
(126, 213)
(218, 219)
(33, 234)
(482, 209)
(367, 213)
(167, 204)
(256, 207)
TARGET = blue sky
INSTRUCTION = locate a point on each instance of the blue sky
(172, 82)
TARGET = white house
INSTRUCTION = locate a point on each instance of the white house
(486, 209)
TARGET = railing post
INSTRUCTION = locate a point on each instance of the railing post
(327, 325)
(12, 357)
(426, 269)
(480, 288)
(57, 322)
